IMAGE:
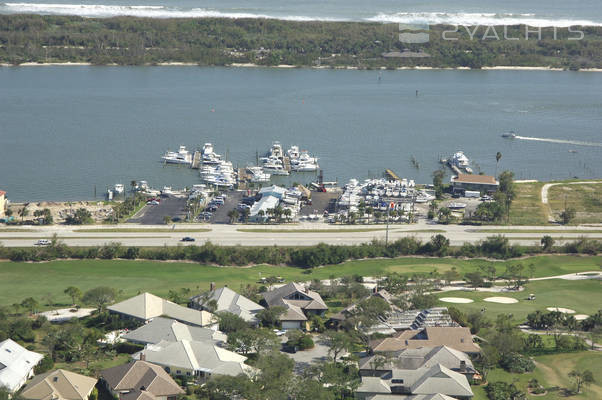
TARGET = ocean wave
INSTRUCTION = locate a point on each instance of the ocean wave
(101, 10)
(471, 19)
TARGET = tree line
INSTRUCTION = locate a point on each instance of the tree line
(215, 41)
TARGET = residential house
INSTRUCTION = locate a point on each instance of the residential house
(437, 396)
(146, 306)
(457, 338)
(140, 380)
(418, 319)
(198, 359)
(431, 380)
(299, 302)
(16, 365)
(337, 319)
(480, 183)
(170, 330)
(227, 300)
(380, 365)
(59, 385)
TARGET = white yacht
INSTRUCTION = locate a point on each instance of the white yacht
(119, 188)
(209, 156)
(460, 160)
(276, 150)
(293, 152)
(257, 174)
(274, 168)
(182, 156)
(305, 167)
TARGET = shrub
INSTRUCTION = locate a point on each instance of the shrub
(515, 362)
(46, 364)
(127, 348)
(503, 391)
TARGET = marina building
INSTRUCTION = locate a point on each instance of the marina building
(481, 183)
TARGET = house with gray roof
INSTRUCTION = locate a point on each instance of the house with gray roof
(195, 359)
(140, 380)
(166, 329)
(146, 306)
(16, 364)
(227, 300)
(425, 381)
(437, 396)
(381, 365)
(299, 302)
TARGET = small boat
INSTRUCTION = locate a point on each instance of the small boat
(456, 206)
(256, 174)
(118, 189)
(109, 194)
(509, 135)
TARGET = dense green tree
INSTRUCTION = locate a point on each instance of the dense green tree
(99, 297)
(74, 293)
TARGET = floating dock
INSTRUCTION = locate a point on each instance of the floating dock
(389, 174)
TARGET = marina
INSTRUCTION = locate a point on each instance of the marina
(353, 137)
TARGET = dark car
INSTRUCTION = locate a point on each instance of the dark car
(187, 239)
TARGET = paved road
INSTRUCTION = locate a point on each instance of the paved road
(303, 235)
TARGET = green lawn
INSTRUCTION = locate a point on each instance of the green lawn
(585, 297)
(527, 208)
(140, 230)
(552, 372)
(334, 230)
(21, 280)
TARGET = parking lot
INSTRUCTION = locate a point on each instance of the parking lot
(174, 207)
(220, 216)
(320, 202)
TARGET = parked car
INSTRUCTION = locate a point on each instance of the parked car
(43, 242)
(152, 203)
(187, 239)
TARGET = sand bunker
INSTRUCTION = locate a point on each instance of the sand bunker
(581, 317)
(456, 300)
(502, 300)
(562, 310)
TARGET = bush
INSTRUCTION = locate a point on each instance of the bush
(503, 391)
(127, 348)
(46, 364)
(515, 362)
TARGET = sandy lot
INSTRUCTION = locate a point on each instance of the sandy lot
(60, 210)
(462, 300)
(581, 317)
(501, 300)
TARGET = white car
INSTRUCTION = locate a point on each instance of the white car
(43, 242)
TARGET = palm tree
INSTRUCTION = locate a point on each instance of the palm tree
(287, 213)
(498, 157)
(24, 212)
(167, 219)
(245, 215)
(233, 215)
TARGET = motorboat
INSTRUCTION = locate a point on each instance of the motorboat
(305, 167)
(182, 156)
(275, 169)
(209, 156)
(456, 206)
(276, 150)
(257, 174)
(460, 160)
(293, 152)
(118, 188)
(509, 135)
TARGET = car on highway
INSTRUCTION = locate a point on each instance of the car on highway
(43, 242)
(187, 239)
(152, 203)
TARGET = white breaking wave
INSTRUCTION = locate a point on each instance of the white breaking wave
(562, 141)
(101, 11)
(472, 19)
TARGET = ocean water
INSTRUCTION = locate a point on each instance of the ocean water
(462, 12)
(66, 130)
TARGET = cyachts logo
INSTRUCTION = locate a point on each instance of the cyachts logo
(413, 33)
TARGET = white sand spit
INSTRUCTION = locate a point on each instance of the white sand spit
(581, 317)
(562, 310)
(456, 300)
(502, 300)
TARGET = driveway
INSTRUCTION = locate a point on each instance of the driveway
(305, 358)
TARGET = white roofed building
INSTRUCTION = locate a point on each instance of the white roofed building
(16, 365)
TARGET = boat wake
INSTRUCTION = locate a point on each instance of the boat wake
(561, 141)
